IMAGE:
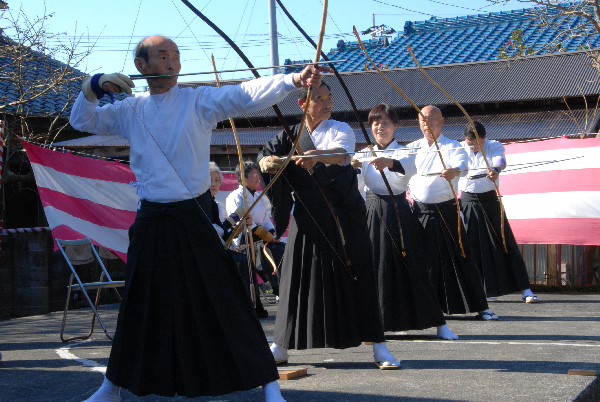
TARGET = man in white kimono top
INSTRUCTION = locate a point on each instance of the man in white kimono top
(503, 272)
(328, 296)
(455, 278)
(162, 344)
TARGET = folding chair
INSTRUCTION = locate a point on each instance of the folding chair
(78, 285)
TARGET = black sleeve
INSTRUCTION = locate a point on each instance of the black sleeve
(397, 168)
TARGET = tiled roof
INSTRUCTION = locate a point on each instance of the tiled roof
(36, 71)
(461, 39)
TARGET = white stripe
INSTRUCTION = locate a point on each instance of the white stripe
(573, 204)
(590, 160)
(65, 353)
(112, 194)
(581, 345)
(115, 239)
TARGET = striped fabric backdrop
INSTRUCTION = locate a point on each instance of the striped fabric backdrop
(546, 203)
(85, 197)
(553, 203)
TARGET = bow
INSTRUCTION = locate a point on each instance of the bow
(355, 109)
(502, 213)
(279, 114)
(426, 122)
(249, 237)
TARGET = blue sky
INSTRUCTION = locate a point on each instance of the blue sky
(117, 26)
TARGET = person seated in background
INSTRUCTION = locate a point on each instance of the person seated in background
(260, 223)
(225, 225)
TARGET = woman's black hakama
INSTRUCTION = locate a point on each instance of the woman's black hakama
(502, 272)
(406, 298)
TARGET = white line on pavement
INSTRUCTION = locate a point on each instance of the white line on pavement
(65, 353)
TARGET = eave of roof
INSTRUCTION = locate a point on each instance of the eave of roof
(529, 78)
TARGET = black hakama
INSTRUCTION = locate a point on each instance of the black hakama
(502, 272)
(186, 324)
(406, 298)
(321, 304)
(455, 278)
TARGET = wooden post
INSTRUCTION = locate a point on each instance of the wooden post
(535, 263)
(552, 264)
(1, 190)
(588, 252)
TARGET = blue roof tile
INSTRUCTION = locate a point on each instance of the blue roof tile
(460, 39)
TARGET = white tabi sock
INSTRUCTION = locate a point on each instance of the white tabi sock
(381, 352)
(527, 292)
(108, 392)
(279, 352)
(273, 392)
(444, 332)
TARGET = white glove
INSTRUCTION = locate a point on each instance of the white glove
(120, 80)
(270, 162)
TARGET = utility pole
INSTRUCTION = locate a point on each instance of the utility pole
(273, 36)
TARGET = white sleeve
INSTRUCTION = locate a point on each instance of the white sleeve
(407, 158)
(89, 117)
(459, 159)
(344, 138)
(496, 149)
(233, 201)
(217, 104)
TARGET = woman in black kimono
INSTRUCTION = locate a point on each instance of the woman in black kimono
(406, 297)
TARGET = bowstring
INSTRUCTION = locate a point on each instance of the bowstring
(126, 100)
(131, 37)
(236, 32)
(167, 158)
(244, 38)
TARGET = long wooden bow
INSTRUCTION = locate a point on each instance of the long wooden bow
(295, 147)
(356, 113)
(430, 130)
(248, 232)
(476, 135)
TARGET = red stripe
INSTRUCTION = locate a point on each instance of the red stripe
(230, 183)
(87, 210)
(97, 169)
(66, 233)
(550, 145)
(551, 181)
(556, 231)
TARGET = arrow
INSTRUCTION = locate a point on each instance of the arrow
(146, 76)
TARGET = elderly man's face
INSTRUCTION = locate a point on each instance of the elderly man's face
(163, 58)
(436, 122)
(320, 104)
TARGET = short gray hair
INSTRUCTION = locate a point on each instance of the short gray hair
(213, 167)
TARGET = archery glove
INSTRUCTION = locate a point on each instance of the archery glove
(356, 164)
(270, 162)
(239, 212)
(264, 234)
(92, 86)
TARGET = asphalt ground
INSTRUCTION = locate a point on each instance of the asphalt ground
(525, 356)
